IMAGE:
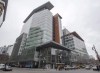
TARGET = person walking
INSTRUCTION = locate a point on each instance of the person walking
(99, 67)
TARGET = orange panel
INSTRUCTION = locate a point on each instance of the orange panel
(56, 35)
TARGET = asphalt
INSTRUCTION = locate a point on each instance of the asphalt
(27, 70)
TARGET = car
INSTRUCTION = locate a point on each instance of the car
(67, 67)
(96, 68)
(7, 68)
(2, 66)
(75, 67)
(88, 67)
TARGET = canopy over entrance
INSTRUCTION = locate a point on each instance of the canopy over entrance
(52, 44)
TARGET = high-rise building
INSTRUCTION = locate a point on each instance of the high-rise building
(3, 9)
(43, 23)
(43, 40)
(18, 47)
(41, 28)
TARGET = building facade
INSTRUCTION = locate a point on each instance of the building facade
(3, 9)
(18, 47)
(6, 50)
(3, 49)
(57, 28)
(75, 43)
(43, 40)
(65, 31)
(5, 53)
(41, 28)
(10, 49)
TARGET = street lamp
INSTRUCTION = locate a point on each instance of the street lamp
(93, 48)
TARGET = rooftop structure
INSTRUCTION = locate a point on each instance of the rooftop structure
(75, 34)
(47, 5)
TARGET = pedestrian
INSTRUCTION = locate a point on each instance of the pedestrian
(97, 68)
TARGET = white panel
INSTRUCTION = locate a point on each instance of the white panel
(53, 51)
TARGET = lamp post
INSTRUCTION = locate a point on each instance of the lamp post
(93, 48)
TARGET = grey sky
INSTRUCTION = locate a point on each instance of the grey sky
(82, 16)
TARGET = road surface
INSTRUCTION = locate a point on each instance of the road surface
(27, 70)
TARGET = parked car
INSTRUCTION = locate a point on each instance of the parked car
(88, 67)
(75, 67)
(2, 66)
(7, 68)
(96, 68)
(67, 67)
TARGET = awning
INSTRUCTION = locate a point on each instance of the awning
(52, 44)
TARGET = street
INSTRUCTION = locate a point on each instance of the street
(27, 70)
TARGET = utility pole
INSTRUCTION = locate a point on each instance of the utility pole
(93, 48)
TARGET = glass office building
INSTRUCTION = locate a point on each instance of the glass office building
(43, 40)
(41, 28)
(75, 43)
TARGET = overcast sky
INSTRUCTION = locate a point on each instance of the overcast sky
(82, 16)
